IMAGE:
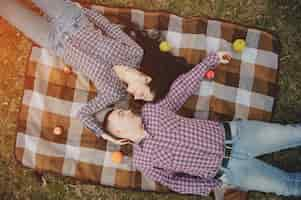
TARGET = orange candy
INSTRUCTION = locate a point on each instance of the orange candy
(117, 157)
(210, 75)
(58, 130)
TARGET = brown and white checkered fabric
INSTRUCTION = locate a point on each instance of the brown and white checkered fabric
(246, 88)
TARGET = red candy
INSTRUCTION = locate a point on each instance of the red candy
(210, 75)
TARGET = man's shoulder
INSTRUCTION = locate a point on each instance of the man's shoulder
(142, 154)
(153, 109)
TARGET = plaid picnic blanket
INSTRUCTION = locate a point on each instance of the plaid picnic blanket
(246, 88)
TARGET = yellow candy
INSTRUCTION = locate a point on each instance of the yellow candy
(165, 46)
(239, 45)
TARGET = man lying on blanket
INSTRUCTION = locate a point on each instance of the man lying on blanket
(198, 156)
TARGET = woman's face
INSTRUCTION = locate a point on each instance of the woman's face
(124, 123)
(136, 81)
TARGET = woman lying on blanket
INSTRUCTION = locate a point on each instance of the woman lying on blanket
(89, 43)
(197, 156)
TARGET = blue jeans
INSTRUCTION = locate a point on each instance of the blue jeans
(65, 18)
(251, 139)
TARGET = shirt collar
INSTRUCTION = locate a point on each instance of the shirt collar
(146, 135)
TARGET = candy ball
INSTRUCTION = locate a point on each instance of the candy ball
(58, 130)
(117, 157)
(67, 70)
(210, 74)
(239, 45)
(165, 46)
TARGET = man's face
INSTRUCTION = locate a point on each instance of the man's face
(123, 123)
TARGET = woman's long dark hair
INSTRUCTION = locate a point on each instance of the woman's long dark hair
(163, 67)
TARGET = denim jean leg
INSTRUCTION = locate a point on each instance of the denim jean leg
(55, 8)
(256, 138)
(255, 175)
(66, 19)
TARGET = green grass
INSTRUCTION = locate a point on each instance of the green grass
(281, 16)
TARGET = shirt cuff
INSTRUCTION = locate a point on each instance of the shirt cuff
(98, 132)
(211, 60)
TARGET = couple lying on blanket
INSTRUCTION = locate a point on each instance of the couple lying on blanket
(188, 155)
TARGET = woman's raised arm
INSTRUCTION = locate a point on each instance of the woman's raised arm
(186, 84)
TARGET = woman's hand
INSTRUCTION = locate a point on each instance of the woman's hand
(78, 4)
(116, 141)
(224, 57)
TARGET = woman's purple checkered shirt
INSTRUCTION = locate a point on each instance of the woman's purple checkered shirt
(181, 153)
(94, 50)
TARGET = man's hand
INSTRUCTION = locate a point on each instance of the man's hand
(224, 57)
(116, 141)
(121, 141)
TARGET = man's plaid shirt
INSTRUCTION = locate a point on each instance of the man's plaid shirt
(181, 153)
(94, 50)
